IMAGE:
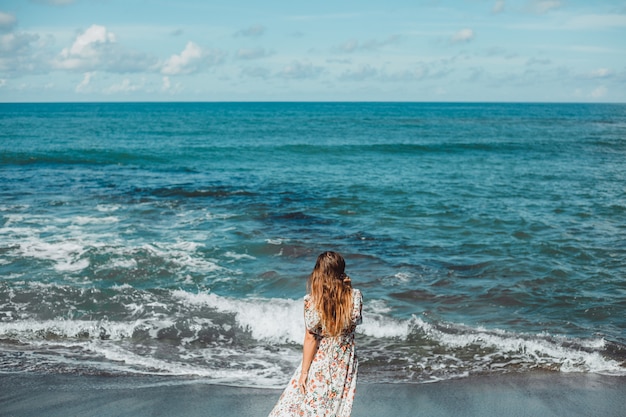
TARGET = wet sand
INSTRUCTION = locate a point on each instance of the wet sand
(542, 395)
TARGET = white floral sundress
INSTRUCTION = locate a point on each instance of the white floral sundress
(331, 382)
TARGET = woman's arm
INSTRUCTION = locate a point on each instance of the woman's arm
(309, 347)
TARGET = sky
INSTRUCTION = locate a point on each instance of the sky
(341, 50)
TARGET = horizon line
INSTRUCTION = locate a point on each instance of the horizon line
(309, 101)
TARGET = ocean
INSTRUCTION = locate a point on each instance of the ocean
(175, 239)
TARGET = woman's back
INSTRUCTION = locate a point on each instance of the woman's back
(314, 325)
(325, 382)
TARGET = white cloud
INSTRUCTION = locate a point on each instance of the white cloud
(126, 86)
(21, 53)
(184, 62)
(544, 6)
(7, 21)
(300, 70)
(86, 50)
(97, 49)
(3, 82)
(85, 45)
(463, 35)
(84, 84)
(192, 59)
(168, 87)
(254, 31)
(15, 43)
(82, 61)
(498, 7)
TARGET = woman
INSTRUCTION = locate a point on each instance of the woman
(325, 382)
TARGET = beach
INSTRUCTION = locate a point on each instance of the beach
(538, 394)
(154, 256)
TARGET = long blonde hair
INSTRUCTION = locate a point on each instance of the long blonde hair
(331, 291)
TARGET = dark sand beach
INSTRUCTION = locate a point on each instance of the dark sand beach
(515, 395)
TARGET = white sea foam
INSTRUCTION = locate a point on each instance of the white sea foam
(12, 219)
(534, 349)
(377, 322)
(11, 276)
(404, 276)
(66, 254)
(186, 246)
(107, 208)
(253, 370)
(86, 220)
(378, 306)
(101, 345)
(122, 263)
(277, 321)
(34, 330)
(66, 242)
(40, 238)
(380, 326)
(13, 207)
(183, 254)
(238, 256)
(72, 265)
(122, 286)
(208, 216)
(273, 320)
(281, 320)
(277, 241)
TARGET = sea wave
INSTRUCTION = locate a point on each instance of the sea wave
(239, 340)
(539, 351)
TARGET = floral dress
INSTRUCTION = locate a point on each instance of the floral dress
(331, 381)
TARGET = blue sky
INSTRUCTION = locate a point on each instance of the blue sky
(235, 50)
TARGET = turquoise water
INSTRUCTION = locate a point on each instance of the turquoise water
(176, 238)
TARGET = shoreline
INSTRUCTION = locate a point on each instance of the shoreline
(529, 394)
